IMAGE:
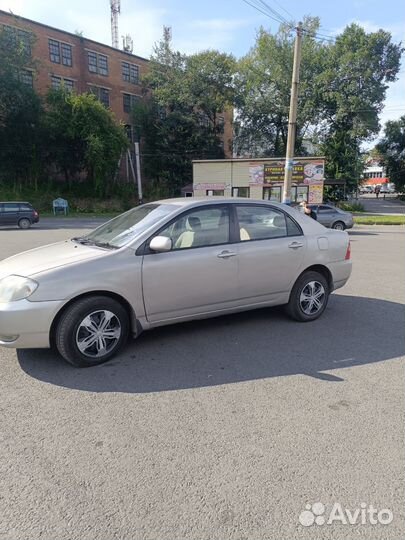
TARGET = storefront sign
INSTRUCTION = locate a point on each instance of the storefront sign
(303, 171)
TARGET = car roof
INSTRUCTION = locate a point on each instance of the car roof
(191, 201)
(15, 202)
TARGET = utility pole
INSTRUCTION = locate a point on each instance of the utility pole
(138, 173)
(292, 117)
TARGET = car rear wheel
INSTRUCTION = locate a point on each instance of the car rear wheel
(24, 223)
(339, 226)
(91, 331)
(309, 297)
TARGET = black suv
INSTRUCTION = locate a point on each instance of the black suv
(18, 213)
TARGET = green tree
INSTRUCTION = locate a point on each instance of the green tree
(84, 136)
(392, 150)
(342, 91)
(352, 90)
(179, 120)
(263, 86)
(21, 112)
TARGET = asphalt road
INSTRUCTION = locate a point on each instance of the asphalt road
(389, 205)
(222, 429)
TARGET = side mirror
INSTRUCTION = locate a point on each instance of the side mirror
(160, 244)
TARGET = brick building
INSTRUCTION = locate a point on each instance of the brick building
(85, 65)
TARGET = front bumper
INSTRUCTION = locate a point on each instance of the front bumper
(26, 325)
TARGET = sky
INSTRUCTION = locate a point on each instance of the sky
(226, 25)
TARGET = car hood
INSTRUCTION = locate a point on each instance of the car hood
(45, 258)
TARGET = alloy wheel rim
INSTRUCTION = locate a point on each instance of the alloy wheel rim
(98, 333)
(339, 227)
(312, 297)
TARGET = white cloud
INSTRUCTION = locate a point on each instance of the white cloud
(396, 30)
(203, 34)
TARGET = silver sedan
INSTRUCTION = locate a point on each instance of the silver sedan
(333, 217)
(163, 263)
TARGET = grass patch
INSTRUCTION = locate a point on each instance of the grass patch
(379, 220)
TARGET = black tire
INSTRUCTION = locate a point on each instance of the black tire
(71, 328)
(339, 226)
(24, 223)
(296, 307)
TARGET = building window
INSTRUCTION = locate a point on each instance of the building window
(14, 36)
(104, 97)
(204, 120)
(240, 192)
(134, 74)
(57, 82)
(27, 77)
(98, 63)
(129, 100)
(125, 72)
(66, 51)
(272, 194)
(130, 73)
(54, 51)
(92, 59)
(102, 94)
(102, 64)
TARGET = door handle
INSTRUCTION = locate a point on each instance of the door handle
(295, 245)
(226, 254)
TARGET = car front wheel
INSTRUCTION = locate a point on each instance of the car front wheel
(91, 331)
(339, 226)
(309, 297)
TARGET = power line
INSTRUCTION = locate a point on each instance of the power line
(274, 11)
(257, 8)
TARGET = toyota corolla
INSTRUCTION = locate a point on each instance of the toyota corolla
(166, 262)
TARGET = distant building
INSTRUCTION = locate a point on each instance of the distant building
(260, 178)
(374, 173)
(84, 65)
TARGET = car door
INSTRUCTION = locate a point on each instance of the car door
(10, 215)
(326, 214)
(199, 274)
(270, 252)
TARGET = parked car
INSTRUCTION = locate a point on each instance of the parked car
(387, 189)
(18, 213)
(366, 189)
(167, 262)
(332, 217)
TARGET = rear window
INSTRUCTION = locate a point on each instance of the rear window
(25, 207)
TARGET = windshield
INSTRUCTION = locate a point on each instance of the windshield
(126, 227)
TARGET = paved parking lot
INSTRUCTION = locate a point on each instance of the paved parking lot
(221, 429)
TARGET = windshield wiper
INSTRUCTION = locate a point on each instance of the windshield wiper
(89, 242)
(82, 240)
(104, 245)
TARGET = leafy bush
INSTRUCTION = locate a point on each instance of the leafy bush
(351, 207)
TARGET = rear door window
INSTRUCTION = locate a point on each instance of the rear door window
(25, 208)
(11, 207)
(260, 222)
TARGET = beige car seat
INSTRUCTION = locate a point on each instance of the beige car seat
(186, 239)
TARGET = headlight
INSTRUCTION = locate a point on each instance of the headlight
(14, 288)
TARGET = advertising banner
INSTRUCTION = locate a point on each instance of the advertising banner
(303, 172)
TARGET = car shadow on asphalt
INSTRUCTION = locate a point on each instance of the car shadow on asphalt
(362, 233)
(243, 347)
